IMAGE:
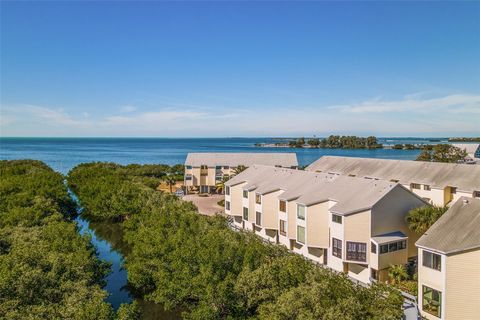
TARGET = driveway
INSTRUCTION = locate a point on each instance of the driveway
(206, 205)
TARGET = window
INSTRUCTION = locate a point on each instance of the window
(415, 186)
(283, 227)
(394, 180)
(300, 234)
(188, 177)
(258, 218)
(203, 167)
(258, 199)
(227, 205)
(282, 206)
(453, 190)
(476, 194)
(373, 248)
(226, 167)
(227, 191)
(218, 168)
(336, 218)
(384, 248)
(300, 212)
(393, 246)
(431, 301)
(245, 194)
(188, 167)
(245, 213)
(426, 187)
(337, 248)
(432, 260)
(356, 251)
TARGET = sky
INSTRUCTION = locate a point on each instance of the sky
(223, 69)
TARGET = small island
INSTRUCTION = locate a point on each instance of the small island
(332, 142)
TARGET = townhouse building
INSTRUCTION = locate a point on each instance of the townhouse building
(438, 183)
(449, 264)
(349, 224)
(204, 170)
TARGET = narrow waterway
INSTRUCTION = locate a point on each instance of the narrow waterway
(108, 240)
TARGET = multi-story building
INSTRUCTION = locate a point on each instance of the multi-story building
(449, 264)
(438, 183)
(349, 224)
(204, 170)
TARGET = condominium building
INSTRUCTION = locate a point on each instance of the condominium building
(438, 183)
(204, 170)
(472, 149)
(449, 264)
(349, 224)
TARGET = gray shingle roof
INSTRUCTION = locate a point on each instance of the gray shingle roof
(246, 159)
(457, 230)
(438, 175)
(308, 188)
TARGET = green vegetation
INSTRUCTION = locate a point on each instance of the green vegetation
(47, 270)
(476, 139)
(442, 153)
(337, 142)
(421, 219)
(406, 146)
(402, 279)
(187, 261)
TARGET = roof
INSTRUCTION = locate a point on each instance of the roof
(457, 230)
(438, 175)
(389, 237)
(350, 194)
(246, 159)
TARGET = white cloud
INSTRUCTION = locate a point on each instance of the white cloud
(458, 103)
(128, 109)
(413, 115)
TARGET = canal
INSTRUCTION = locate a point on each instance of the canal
(107, 238)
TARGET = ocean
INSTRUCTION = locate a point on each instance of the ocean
(62, 154)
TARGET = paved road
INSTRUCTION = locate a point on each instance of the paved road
(206, 205)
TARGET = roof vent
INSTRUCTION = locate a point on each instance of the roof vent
(465, 201)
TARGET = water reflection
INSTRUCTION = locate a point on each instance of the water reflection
(107, 237)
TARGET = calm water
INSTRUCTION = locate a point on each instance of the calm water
(62, 154)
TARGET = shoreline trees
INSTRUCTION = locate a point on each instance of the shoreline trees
(48, 270)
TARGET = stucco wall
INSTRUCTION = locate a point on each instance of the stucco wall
(317, 225)
(388, 215)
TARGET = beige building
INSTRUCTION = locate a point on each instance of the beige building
(349, 224)
(438, 183)
(449, 264)
(204, 170)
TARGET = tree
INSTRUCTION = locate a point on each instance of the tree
(421, 219)
(442, 153)
(48, 270)
(220, 186)
(240, 168)
(170, 181)
(397, 273)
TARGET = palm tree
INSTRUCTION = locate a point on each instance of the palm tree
(220, 186)
(397, 273)
(421, 219)
(170, 181)
(239, 169)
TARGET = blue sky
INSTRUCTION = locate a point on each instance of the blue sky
(240, 68)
